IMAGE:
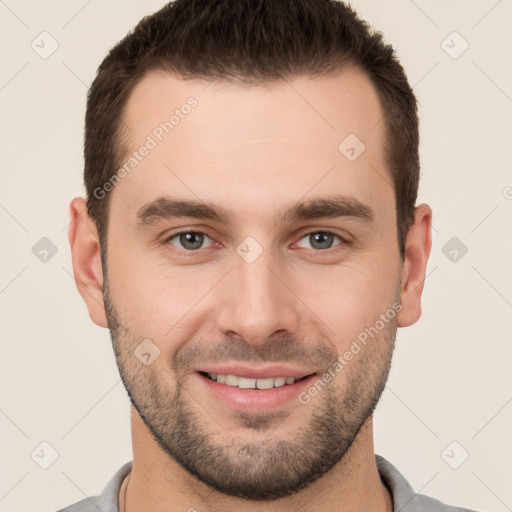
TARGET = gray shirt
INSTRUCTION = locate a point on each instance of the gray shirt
(404, 498)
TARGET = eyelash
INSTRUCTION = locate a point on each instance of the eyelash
(343, 241)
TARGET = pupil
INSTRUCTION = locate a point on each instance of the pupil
(324, 240)
(191, 240)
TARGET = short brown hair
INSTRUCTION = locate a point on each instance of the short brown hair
(252, 42)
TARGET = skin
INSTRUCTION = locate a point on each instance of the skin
(255, 150)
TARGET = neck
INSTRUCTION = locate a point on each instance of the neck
(157, 483)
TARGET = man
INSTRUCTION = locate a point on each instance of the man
(250, 238)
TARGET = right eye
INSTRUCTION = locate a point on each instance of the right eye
(188, 240)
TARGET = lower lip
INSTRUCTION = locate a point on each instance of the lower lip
(255, 400)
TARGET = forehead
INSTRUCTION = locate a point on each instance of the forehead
(225, 140)
(304, 106)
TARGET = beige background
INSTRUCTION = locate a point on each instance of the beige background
(451, 379)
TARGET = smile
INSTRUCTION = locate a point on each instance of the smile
(246, 383)
(255, 390)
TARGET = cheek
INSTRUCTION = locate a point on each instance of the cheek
(158, 301)
(351, 297)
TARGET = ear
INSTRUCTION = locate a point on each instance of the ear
(85, 252)
(417, 251)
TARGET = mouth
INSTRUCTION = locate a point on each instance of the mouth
(248, 383)
(256, 391)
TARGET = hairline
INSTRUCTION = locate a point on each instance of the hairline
(122, 135)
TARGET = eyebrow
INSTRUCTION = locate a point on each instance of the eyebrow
(167, 208)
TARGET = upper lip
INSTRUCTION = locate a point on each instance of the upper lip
(264, 372)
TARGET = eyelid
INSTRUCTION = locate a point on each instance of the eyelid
(167, 238)
(343, 240)
(333, 230)
(305, 232)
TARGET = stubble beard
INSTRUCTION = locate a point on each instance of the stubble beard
(267, 467)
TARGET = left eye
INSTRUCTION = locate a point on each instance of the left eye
(321, 240)
(190, 240)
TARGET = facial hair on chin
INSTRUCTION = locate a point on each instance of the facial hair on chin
(270, 467)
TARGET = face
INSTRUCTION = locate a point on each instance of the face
(248, 256)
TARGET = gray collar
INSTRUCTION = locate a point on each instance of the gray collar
(404, 497)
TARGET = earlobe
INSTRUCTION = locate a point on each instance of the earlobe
(86, 256)
(417, 251)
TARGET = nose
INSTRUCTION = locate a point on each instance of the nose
(257, 301)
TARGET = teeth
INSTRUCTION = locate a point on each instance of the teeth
(279, 381)
(231, 380)
(245, 383)
(265, 383)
